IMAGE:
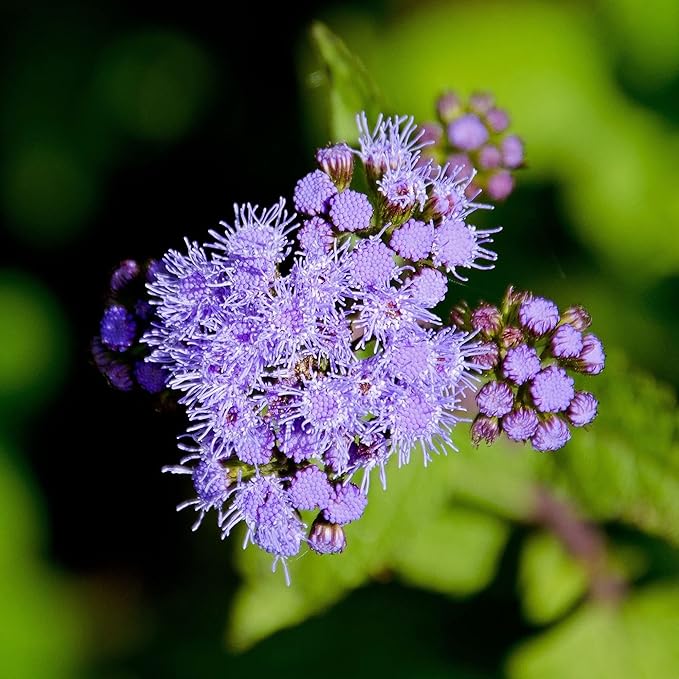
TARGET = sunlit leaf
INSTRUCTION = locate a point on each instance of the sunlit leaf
(550, 579)
(626, 466)
(348, 85)
(635, 640)
(409, 531)
(41, 631)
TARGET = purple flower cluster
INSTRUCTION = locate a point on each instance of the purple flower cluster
(116, 350)
(530, 350)
(297, 378)
(306, 349)
(473, 137)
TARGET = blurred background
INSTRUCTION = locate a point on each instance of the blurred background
(124, 128)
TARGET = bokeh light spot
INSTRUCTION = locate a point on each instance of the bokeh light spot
(47, 192)
(155, 84)
(33, 340)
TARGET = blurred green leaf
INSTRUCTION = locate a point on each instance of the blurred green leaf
(33, 339)
(41, 627)
(350, 88)
(550, 579)
(454, 553)
(409, 530)
(626, 467)
(637, 640)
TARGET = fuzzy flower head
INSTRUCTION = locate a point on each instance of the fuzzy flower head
(313, 193)
(459, 246)
(256, 235)
(351, 211)
(392, 144)
(413, 239)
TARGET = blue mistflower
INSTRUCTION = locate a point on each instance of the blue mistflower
(351, 211)
(521, 364)
(520, 424)
(495, 399)
(457, 245)
(592, 358)
(259, 236)
(566, 342)
(551, 434)
(383, 311)
(413, 239)
(429, 287)
(539, 315)
(346, 504)
(372, 264)
(150, 376)
(313, 193)
(582, 409)
(310, 489)
(210, 482)
(552, 390)
(418, 418)
(118, 328)
(257, 447)
(327, 411)
(393, 143)
(326, 537)
(404, 188)
(315, 236)
(306, 358)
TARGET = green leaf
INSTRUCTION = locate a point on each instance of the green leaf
(626, 466)
(637, 640)
(550, 579)
(42, 630)
(348, 85)
(410, 531)
(454, 553)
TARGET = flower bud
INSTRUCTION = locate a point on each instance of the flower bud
(487, 319)
(481, 102)
(582, 409)
(497, 119)
(500, 185)
(488, 356)
(489, 157)
(511, 337)
(485, 429)
(512, 151)
(459, 316)
(124, 274)
(577, 316)
(467, 133)
(592, 357)
(338, 163)
(326, 537)
(448, 106)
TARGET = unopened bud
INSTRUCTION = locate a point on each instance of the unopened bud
(338, 163)
(326, 537)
